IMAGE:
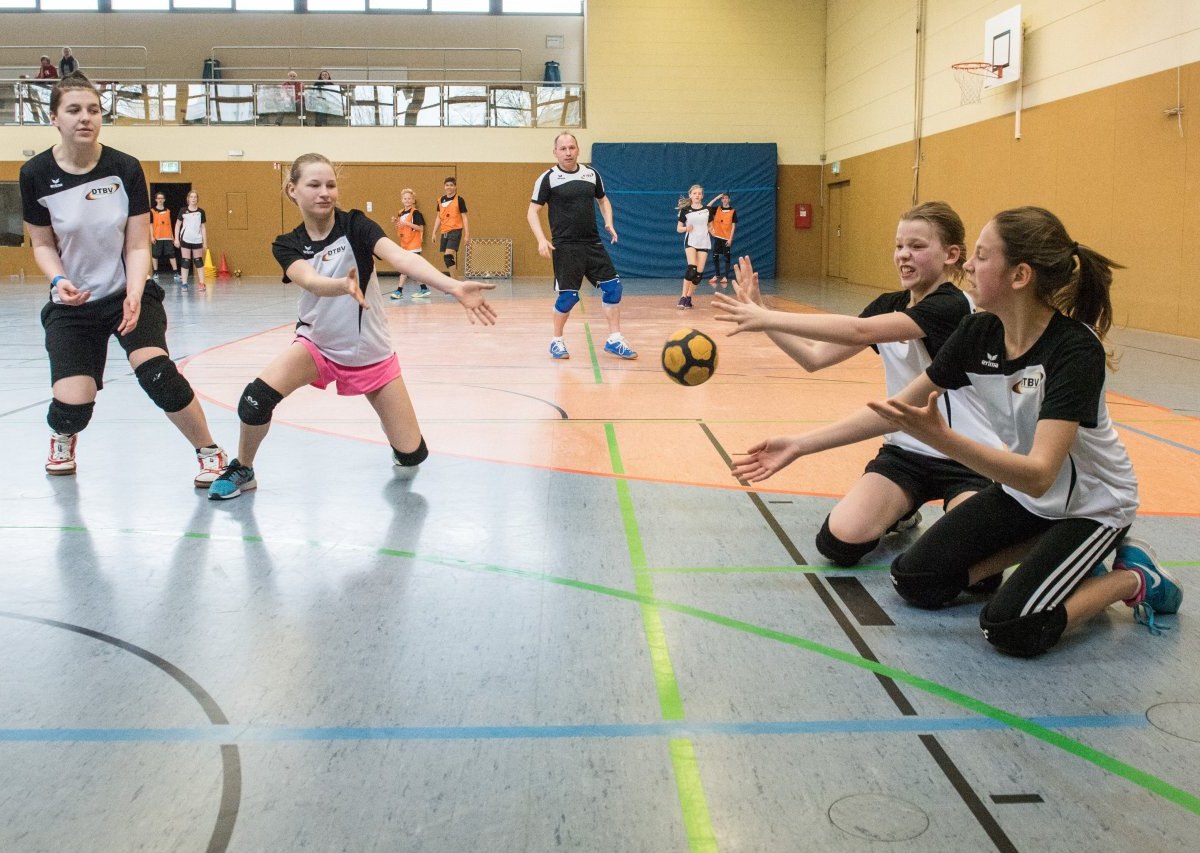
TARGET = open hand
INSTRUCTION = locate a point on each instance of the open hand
(478, 308)
(923, 423)
(765, 458)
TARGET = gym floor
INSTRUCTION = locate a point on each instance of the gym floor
(572, 629)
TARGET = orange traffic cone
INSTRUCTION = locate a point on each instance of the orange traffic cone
(223, 270)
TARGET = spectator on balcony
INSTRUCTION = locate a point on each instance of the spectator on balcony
(47, 71)
(324, 100)
(68, 64)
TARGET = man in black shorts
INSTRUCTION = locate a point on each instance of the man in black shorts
(570, 189)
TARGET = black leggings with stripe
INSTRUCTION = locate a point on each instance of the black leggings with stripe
(1027, 614)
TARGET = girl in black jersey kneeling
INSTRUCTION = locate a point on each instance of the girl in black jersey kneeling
(342, 334)
(1066, 494)
(88, 215)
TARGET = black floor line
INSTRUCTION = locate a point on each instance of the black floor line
(969, 797)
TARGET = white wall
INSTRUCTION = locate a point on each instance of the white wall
(1071, 46)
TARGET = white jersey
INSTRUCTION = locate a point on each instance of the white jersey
(88, 214)
(344, 332)
(937, 315)
(698, 218)
(1060, 377)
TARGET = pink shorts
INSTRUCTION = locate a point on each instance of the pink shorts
(351, 381)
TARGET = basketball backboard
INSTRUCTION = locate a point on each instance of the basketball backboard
(1002, 41)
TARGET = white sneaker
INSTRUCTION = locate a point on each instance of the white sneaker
(61, 460)
(213, 460)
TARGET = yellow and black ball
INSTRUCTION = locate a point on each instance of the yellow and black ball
(689, 357)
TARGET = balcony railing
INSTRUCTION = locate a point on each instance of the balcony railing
(353, 103)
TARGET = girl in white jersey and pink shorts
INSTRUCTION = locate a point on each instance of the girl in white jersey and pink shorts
(342, 334)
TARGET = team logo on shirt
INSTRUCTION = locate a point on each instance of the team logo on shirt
(101, 192)
(1027, 384)
(56, 183)
(991, 359)
(308, 250)
(337, 250)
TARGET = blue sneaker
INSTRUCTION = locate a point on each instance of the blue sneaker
(558, 349)
(619, 348)
(236, 479)
(1160, 592)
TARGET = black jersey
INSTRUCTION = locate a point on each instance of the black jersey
(572, 198)
(338, 325)
(88, 214)
(1060, 377)
(937, 316)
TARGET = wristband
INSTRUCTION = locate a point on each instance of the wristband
(54, 281)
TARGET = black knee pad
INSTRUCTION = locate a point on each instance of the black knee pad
(1025, 636)
(258, 403)
(164, 384)
(185, 263)
(69, 418)
(408, 460)
(692, 274)
(449, 259)
(922, 587)
(844, 554)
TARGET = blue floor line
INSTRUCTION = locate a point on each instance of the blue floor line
(1167, 441)
(257, 734)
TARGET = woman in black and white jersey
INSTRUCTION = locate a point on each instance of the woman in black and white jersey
(342, 334)
(191, 238)
(907, 328)
(1066, 494)
(694, 217)
(88, 216)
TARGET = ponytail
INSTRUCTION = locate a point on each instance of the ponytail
(1071, 278)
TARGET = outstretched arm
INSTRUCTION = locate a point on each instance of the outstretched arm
(1032, 473)
(303, 274)
(468, 293)
(775, 454)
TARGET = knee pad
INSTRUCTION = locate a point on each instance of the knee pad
(408, 460)
(566, 301)
(844, 554)
(692, 274)
(185, 263)
(258, 403)
(1025, 636)
(923, 587)
(610, 291)
(449, 259)
(69, 418)
(164, 384)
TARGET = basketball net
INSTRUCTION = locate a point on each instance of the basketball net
(970, 77)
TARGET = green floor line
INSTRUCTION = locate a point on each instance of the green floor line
(1108, 763)
(587, 331)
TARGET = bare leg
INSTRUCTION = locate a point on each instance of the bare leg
(560, 323)
(291, 369)
(396, 415)
(75, 390)
(189, 420)
(869, 509)
(613, 314)
(1095, 594)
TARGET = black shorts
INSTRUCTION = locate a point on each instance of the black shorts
(575, 261)
(195, 247)
(163, 249)
(451, 240)
(77, 336)
(720, 246)
(925, 478)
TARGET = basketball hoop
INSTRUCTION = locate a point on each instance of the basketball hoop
(970, 77)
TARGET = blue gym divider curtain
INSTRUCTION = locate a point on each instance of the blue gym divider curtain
(645, 180)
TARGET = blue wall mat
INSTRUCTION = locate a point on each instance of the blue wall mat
(645, 180)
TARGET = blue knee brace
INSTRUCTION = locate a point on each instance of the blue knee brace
(566, 301)
(610, 291)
